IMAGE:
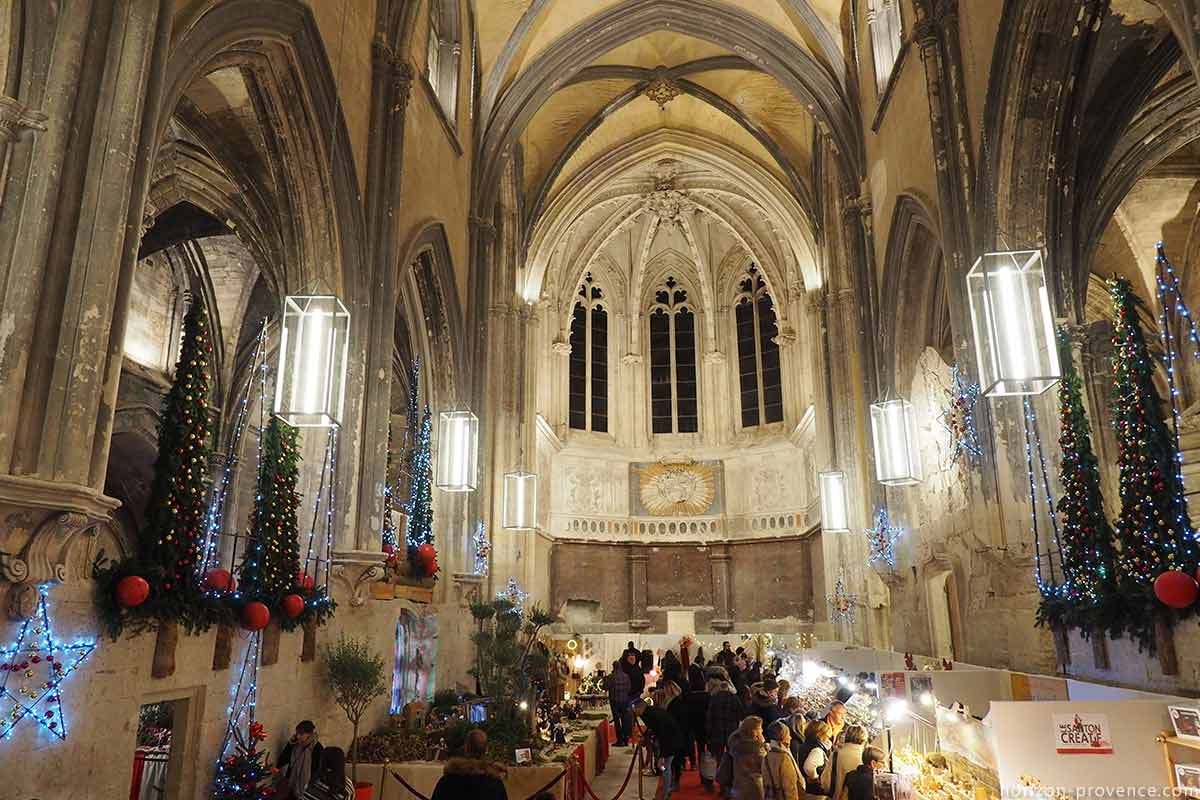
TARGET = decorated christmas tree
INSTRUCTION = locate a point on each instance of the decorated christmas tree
(171, 540)
(1153, 531)
(244, 774)
(420, 499)
(389, 501)
(272, 558)
(1086, 538)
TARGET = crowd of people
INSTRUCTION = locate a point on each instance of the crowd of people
(737, 725)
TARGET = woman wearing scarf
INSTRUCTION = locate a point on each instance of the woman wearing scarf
(299, 761)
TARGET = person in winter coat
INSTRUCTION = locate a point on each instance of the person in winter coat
(724, 713)
(695, 709)
(299, 760)
(746, 749)
(818, 742)
(836, 719)
(329, 779)
(668, 737)
(845, 760)
(617, 683)
(781, 776)
(633, 668)
(762, 702)
(471, 775)
(671, 668)
(860, 784)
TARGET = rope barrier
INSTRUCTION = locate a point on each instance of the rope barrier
(633, 762)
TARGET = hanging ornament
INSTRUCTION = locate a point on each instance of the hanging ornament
(293, 605)
(35, 653)
(841, 602)
(881, 540)
(219, 580)
(958, 418)
(132, 591)
(1175, 589)
(512, 593)
(255, 616)
(483, 549)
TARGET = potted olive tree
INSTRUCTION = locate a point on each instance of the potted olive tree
(357, 676)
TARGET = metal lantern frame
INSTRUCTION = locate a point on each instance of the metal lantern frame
(897, 447)
(458, 452)
(1013, 323)
(835, 507)
(314, 346)
(520, 501)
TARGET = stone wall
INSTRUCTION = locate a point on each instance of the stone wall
(101, 700)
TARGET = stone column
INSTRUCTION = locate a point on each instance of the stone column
(69, 229)
(638, 618)
(722, 590)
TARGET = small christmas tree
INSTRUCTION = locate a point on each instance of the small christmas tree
(245, 773)
(388, 533)
(272, 559)
(171, 540)
(1087, 539)
(420, 499)
(1153, 530)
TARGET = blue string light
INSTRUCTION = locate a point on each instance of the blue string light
(882, 538)
(1033, 442)
(841, 603)
(1170, 295)
(958, 417)
(34, 650)
(512, 593)
(244, 699)
(483, 549)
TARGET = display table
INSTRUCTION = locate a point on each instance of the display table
(584, 758)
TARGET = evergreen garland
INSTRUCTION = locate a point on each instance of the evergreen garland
(272, 559)
(1153, 530)
(1086, 538)
(170, 542)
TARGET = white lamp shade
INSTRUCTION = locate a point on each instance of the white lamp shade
(897, 455)
(458, 451)
(835, 517)
(310, 384)
(520, 501)
(1013, 323)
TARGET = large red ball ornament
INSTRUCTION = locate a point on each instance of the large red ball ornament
(220, 580)
(255, 616)
(431, 568)
(1175, 589)
(132, 590)
(305, 582)
(293, 605)
(427, 553)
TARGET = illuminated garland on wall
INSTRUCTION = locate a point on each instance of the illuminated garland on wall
(1048, 582)
(25, 694)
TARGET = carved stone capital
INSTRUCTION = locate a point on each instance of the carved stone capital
(149, 213)
(44, 556)
(817, 301)
(786, 337)
(561, 348)
(714, 357)
(357, 569)
(632, 358)
(469, 587)
(16, 119)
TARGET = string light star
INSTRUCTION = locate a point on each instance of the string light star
(882, 538)
(841, 603)
(35, 653)
(483, 549)
(512, 593)
(958, 417)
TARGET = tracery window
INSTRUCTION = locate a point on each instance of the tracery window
(887, 34)
(442, 55)
(760, 379)
(588, 388)
(673, 405)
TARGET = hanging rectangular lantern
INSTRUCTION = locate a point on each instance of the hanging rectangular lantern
(835, 516)
(1013, 323)
(897, 455)
(458, 451)
(520, 501)
(310, 383)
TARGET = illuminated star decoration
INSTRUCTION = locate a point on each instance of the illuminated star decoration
(841, 602)
(882, 538)
(512, 593)
(483, 548)
(35, 651)
(958, 417)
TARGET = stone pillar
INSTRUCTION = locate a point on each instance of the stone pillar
(719, 562)
(391, 79)
(718, 411)
(69, 230)
(638, 618)
(635, 428)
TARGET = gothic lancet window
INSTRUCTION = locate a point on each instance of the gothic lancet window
(887, 34)
(442, 55)
(673, 405)
(588, 390)
(760, 380)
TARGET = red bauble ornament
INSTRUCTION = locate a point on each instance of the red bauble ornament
(220, 579)
(132, 591)
(293, 605)
(255, 616)
(1175, 589)
(427, 553)
(431, 568)
(305, 582)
